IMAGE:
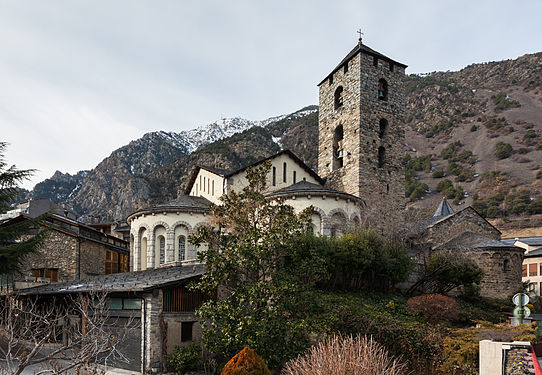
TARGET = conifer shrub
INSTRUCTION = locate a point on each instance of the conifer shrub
(246, 362)
(350, 355)
(434, 308)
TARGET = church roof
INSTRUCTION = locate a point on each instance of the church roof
(182, 203)
(443, 209)
(306, 188)
(470, 240)
(360, 47)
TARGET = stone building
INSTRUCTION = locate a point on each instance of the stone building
(470, 234)
(71, 251)
(362, 135)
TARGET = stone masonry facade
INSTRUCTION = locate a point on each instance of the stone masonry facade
(377, 179)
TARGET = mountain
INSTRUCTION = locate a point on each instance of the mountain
(154, 167)
(480, 128)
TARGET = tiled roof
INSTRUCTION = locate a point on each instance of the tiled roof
(309, 188)
(470, 240)
(182, 203)
(137, 281)
(444, 209)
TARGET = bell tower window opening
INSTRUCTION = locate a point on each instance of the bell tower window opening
(381, 156)
(391, 67)
(346, 67)
(294, 177)
(284, 172)
(383, 128)
(339, 97)
(274, 176)
(375, 61)
(331, 79)
(382, 89)
(338, 147)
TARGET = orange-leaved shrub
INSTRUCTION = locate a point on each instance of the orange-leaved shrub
(352, 355)
(246, 362)
(434, 308)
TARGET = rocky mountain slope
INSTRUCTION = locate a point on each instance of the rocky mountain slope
(154, 168)
(480, 128)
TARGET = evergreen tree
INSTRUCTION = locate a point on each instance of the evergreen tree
(16, 240)
(265, 283)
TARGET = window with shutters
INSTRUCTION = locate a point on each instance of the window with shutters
(533, 269)
(46, 274)
(111, 262)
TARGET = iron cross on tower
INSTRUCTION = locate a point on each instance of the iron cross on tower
(360, 34)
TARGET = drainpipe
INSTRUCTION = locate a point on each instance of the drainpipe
(144, 326)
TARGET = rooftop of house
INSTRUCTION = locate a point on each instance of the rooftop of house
(305, 187)
(138, 281)
(470, 240)
(360, 47)
(182, 203)
(531, 241)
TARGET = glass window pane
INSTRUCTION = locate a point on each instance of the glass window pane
(114, 303)
(132, 304)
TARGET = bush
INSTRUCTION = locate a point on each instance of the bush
(473, 128)
(539, 174)
(185, 358)
(360, 260)
(345, 355)
(503, 150)
(434, 308)
(246, 362)
(502, 102)
(438, 173)
(444, 185)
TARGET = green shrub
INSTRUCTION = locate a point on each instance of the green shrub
(539, 174)
(185, 358)
(523, 151)
(502, 102)
(444, 185)
(503, 150)
(473, 128)
(438, 173)
(360, 260)
(450, 150)
(530, 137)
(434, 308)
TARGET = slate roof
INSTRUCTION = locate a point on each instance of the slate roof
(470, 240)
(360, 47)
(138, 281)
(444, 209)
(182, 203)
(305, 187)
(532, 254)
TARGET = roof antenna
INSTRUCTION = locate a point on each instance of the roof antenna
(360, 34)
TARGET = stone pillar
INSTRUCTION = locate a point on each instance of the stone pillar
(150, 252)
(135, 261)
(170, 246)
(152, 350)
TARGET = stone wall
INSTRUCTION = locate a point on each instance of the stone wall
(381, 187)
(152, 331)
(498, 281)
(92, 259)
(467, 220)
(59, 251)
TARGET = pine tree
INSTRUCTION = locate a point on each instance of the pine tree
(16, 240)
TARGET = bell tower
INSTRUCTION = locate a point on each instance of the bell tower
(362, 135)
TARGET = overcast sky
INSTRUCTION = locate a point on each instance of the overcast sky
(79, 79)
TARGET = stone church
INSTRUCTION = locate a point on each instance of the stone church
(360, 181)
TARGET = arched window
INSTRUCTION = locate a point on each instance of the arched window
(162, 241)
(381, 156)
(382, 89)
(338, 97)
(182, 248)
(338, 147)
(383, 127)
(506, 265)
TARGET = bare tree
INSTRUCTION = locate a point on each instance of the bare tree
(57, 335)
